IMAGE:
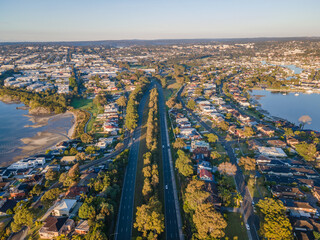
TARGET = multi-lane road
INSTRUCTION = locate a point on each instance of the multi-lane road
(125, 214)
(173, 222)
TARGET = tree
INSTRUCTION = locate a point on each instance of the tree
(147, 189)
(223, 125)
(191, 104)
(74, 173)
(215, 155)
(249, 164)
(86, 138)
(316, 235)
(171, 102)
(22, 217)
(147, 171)
(195, 195)
(209, 223)
(119, 146)
(122, 101)
(212, 137)
(288, 132)
(87, 211)
(274, 224)
(227, 168)
(81, 156)
(73, 151)
(307, 151)
(149, 218)
(50, 195)
(305, 119)
(179, 143)
(248, 131)
(184, 164)
(36, 190)
(90, 150)
(51, 175)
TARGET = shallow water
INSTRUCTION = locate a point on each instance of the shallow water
(291, 106)
(16, 124)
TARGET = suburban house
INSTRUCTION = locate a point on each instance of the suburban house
(272, 152)
(64, 207)
(199, 144)
(82, 228)
(75, 192)
(205, 175)
(53, 227)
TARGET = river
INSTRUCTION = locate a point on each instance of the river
(291, 106)
(22, 135)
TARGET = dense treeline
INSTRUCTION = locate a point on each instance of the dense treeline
(132, 106)
(274, 223)
(82, 117)
(50, 101)
(149, 216)
(102, 200)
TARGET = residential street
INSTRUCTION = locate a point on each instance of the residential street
(247, 209)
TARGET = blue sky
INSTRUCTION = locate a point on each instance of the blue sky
(77, 20)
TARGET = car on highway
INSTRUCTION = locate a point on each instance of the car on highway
(247, 227)
(166, 186)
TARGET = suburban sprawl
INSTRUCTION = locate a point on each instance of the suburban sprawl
(168, 142)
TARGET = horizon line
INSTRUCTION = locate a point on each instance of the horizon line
(158, 39)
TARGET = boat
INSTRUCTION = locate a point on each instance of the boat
(309, 91)
(296, 94)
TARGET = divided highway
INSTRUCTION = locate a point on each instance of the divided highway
(173, 223)
(125, 214)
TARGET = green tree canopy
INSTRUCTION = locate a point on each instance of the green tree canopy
(195, 195)
(307, 151)
(191, 104)
(209, 223)
(179, 143)
(274, 223)
(184, 164)
(22, 217)
(87, 211)
(249, 164)
(212, 137)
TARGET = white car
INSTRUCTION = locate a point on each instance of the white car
(247, 227)
(162, 146)
(166, 186)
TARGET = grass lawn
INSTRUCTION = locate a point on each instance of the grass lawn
(87, 105)
(246, 150)
(172, 87)
(236, 227)
(257, 190)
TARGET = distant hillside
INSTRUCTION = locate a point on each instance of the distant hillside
(126, 43)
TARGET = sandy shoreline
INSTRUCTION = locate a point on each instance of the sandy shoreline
(44, 140)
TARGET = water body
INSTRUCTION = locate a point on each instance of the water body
(295, 69)
(21, 134)
(291, 106)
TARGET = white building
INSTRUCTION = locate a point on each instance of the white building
(64, 207)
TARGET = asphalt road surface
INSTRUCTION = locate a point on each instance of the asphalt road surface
(125, 214)
(173, 223)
